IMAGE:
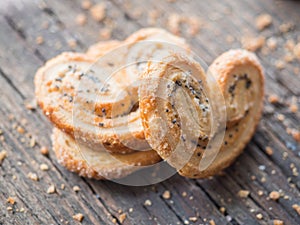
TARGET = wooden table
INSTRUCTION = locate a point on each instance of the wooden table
(33, 31)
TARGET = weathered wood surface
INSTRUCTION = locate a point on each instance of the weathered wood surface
(21, 22)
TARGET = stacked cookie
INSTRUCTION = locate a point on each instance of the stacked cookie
(110, 119)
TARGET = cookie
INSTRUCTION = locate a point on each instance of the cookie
(179, 110)
(98, 164)
(92, 99)
(69, 92)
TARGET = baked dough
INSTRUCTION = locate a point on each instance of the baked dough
(240, 78)
(99, 102)
(147, 44)
(98, 164)
(79, 95)
(69, 104)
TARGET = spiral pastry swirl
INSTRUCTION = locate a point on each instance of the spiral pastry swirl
(177, 104)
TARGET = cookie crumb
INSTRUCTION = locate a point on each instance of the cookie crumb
(72, 43)
(122, 217)
(296, 207)
(289, 45)
(147, 203)
(86, 4)
(278, 222)
(279, 64)
(212, 222)
(223, 210)
(194, 24)
(11, 200)
(39, 40)
(273, 99)
(76, 188)
(243, 193)
(274, 195)
(174, 21)
(288, 58)
(11, 117)
(296, 135)
(44, 150)
(81, 19)
(272, 43)
(105, 33)
(153, 15)
(130, 210)
(259, 216)
(32, 142)
(44, 167)
(260, 193)
(284, 155)
(253, 43)
(293, 108)
(166, 194)
(33, 176)
(98, 12)
(280, 117)
(3, 155)
(51, 189)
(263, 21)
(286, 27)
(184, 194)
(269, 150)
(286, 197)
(78, 217)
(20, 130)
(9, 208)
(297, 51)
(193, 219)
(62, 186)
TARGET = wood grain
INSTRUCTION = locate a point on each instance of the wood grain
(103, 202)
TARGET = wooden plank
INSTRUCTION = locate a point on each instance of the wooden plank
(188, 200)
(210, 193)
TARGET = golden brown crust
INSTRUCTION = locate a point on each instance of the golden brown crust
(175, 109)
(101, 48)
(98, 165)
(95, 123)
(156, 34)
(230, 62)
(81, 121)
(244, 103)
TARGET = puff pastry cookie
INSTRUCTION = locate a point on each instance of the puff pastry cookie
(111, 110)
(188, 101)
(98, 164)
